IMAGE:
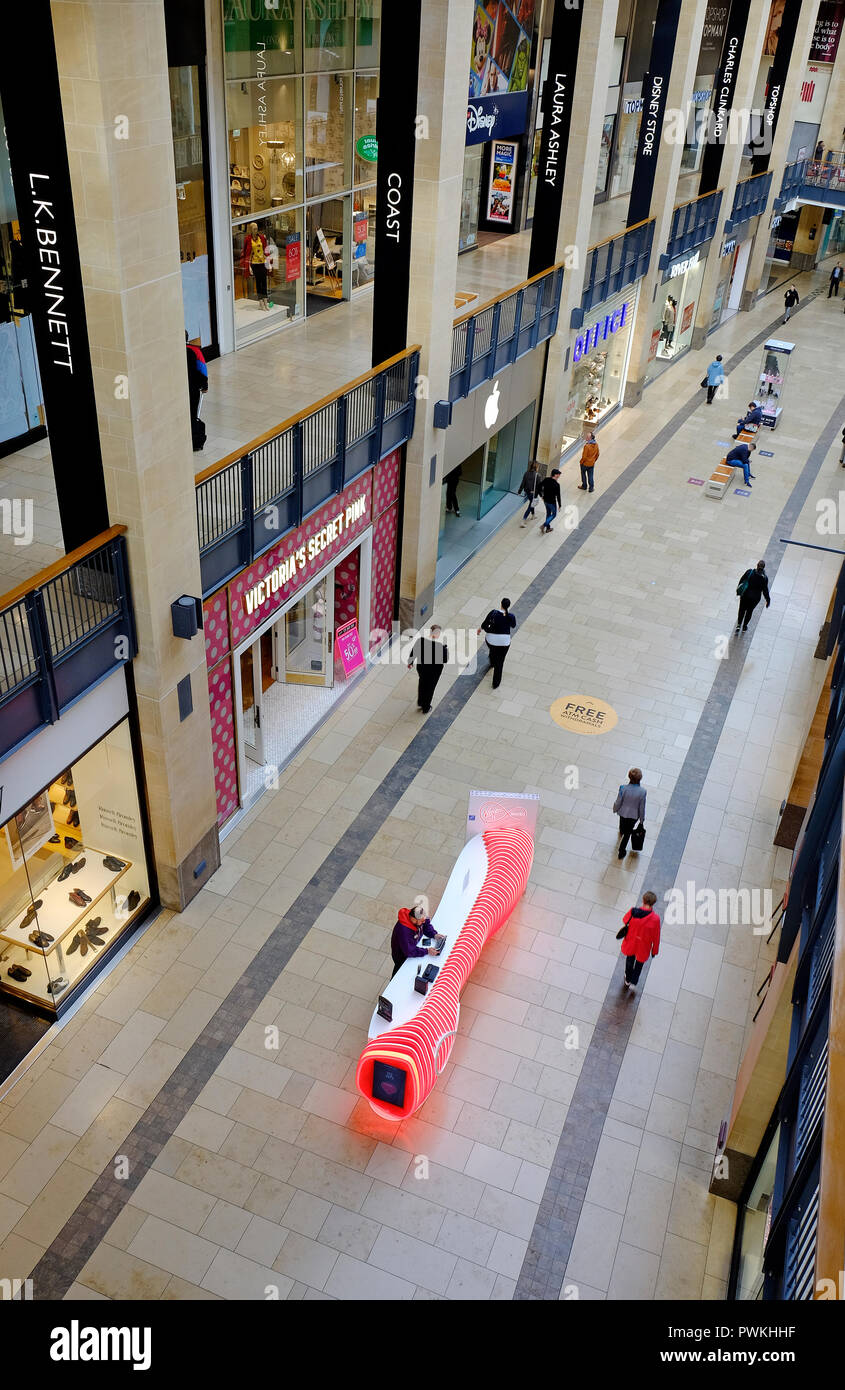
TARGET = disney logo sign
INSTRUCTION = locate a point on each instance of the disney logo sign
(478, 119)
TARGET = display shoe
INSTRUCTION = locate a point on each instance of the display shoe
(69, 798)
(56, 986)
(30, 913)
(70, 843)
(79, 899)
(73, 820)
(77, 865)
(19, 973)
(133, 900)
(79, 943)
(113, 865)
(66, 780)
(66, 873)
(54, 840)
(95, 934)
(41, 938)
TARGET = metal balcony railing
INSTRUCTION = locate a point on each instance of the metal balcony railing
(750, 198)
(813, 180)
(246, 501)
(58, 635)
(693, 223)
(612, 265)
(495, 335)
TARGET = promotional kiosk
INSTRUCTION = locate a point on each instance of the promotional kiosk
(772, 379)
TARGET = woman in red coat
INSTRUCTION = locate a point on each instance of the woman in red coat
(640, 938)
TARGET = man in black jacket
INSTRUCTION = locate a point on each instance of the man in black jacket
(550, 492)
(430, 655)
(753, 586)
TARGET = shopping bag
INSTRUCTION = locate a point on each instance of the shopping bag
(638, 836)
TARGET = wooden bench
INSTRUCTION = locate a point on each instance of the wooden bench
(463, 298)
(720, 480)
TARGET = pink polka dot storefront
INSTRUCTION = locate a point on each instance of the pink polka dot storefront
(285, 637)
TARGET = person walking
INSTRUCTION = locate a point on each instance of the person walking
(411, 924)
(790, 299)
(740, 454)
(842, 450)
(714, 377)
(754, 417)
(835, 281)
(497, 628)
(451, 480)
(753, 586)
(197, 387)
(550, 493)
(640, 937)
(629, 806)
(530, 485)
(589, 454)
(430, 656)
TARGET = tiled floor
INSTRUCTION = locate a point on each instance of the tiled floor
(219, 1056)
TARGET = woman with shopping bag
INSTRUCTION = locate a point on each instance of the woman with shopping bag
(629, 806)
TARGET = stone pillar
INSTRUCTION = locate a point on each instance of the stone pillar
(442, 100)
(783, 135)
(685, 62)
(112, 62)
(598, 27)
(729, 173)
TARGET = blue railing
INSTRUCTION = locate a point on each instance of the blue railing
(496, 335)
(750, 200)
(612, 265)
(245, 503)
(61, 636)
(693, 223)
(814, 181)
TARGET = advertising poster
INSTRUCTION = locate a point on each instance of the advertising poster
(604, 153)
(324, 247)
(655, 339)
(770, 44)
(348, 647)
(293, 257)
(502, 178)
(359, 231)
(500, 58)
(828, 31)
(687, 316)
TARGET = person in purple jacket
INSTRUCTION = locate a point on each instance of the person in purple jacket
(412, 923)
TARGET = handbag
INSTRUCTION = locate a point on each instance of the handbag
(743, 584)
(704, 383)
(620, 935)
(638, 837)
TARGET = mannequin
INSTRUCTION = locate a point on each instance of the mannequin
(667, 332)
(254, 261)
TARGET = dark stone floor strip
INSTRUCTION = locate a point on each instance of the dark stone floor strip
(86, 1227)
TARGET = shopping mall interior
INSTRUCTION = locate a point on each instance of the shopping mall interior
(342, 348)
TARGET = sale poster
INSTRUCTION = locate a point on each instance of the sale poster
(687, 316)
(293, 257)
(348, 647)
(655, 339)
(502, 178)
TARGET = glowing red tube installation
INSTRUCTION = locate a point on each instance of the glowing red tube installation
(420, 1049)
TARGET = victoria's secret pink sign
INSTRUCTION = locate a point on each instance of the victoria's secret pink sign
(271, 581)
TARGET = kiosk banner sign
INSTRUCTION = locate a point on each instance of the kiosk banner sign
(512, 810)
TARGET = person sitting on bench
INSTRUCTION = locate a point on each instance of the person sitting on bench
(739, 457)
(754, 417)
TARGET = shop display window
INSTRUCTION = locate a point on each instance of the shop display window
(279, 241)
(366, 97)
(261, 39)
(470, 197)
(21, 408)
(674, 314)
(756, 1218)
(329, 101)
(363, 237)
(324, 255)
(367, 32)
(599, 358)
(186, 115)
(265, 145)
(328, 36)
(73, 874)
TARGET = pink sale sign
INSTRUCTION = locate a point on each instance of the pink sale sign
(348, 647)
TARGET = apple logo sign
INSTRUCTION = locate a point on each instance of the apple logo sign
(491, 407)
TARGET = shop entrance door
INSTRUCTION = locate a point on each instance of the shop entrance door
(308, 636)
(251, 693)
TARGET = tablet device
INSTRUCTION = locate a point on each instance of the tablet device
(385, 1009)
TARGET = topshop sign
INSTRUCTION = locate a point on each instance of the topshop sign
(605, 328)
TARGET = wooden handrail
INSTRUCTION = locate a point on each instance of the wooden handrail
(506, 294)
(617, 235)
(59, 566)
(698, 198)
(301, 415)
